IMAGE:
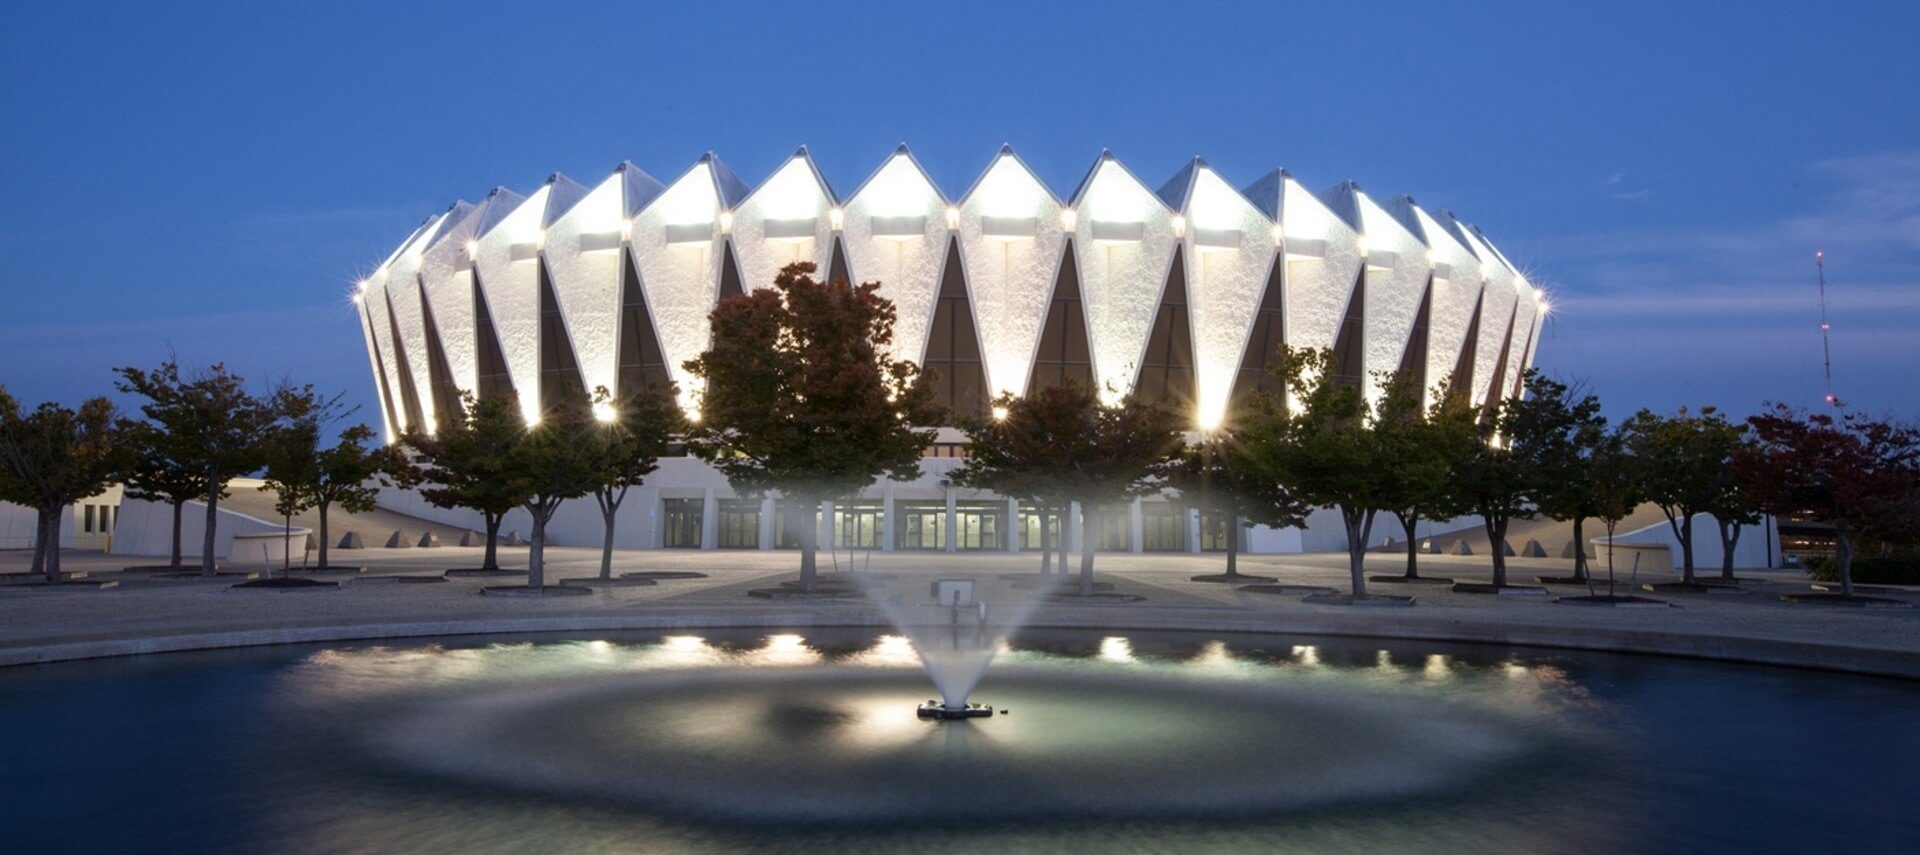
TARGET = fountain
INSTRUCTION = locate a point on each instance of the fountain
(956, 638)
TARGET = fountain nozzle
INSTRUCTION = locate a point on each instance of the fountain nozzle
(938, 710)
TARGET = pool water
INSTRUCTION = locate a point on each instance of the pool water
(807, 741)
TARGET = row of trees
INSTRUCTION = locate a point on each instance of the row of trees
(800, 396)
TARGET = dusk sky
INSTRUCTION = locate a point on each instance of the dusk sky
(214, 178)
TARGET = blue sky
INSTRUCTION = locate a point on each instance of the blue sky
(212, 178)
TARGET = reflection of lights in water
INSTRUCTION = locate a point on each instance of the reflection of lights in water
(1515, 670)
(1438, 668)
(1306, 654)
(784, 649)
(889, 651)
(1214, 654)
(684, 651)
(1113, 648)
(1383, 661)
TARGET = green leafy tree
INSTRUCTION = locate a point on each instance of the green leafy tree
(1559, 428)
(632, 444)
(1615, 486)
(1326, 450)
(469, 463)
(218, 428)
(800, 397)
(159, 471)
(1220, 475)
(55, 456)
(306, 475)
(1129, 441)
(1857, 474)
(1502, 478)
(1688, 459)
(1028, 452)
(563, 457)
(1421, 443)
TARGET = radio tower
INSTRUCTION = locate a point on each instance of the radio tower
(1826, 345)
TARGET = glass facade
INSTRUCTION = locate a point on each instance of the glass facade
(923, 525)
(1215, 529)
(1030, 532)
(978, 525)
(739, 524)
(1163, 527)
(1109, 532)
(680, 523)
(856, 525)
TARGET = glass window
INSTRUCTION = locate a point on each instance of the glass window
(89, 523)
(1163, 527)
(1110, 530)
(739, 524)
(1030, 531)
(923, 525)
(977, 525)
(1214, 531)
(682, 523)
(858, 525)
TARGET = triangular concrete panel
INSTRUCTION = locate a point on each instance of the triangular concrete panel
(1322, 259)
(678, 243)
(1397, 275)
(446, 273)
(584, 257)
(897, 234)
(1124, 246)
(1064, 352)
(506, 264)
(1013, 237)
(1497, 307)
(1455, 290)
(788, 218)
(1228, 251)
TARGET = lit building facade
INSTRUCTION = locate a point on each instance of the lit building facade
(1183, 293)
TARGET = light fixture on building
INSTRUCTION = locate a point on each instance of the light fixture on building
(838, 217)
(1067, 219)
(953, 217)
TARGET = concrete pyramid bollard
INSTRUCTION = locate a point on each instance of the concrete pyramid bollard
(1506, 548)
(1568, 550)
(1429, 547)
(1460, 547)
(514, 539)
(399, 541)
(429, 540)
(1533, 549)
(472, 538)
(351, 540)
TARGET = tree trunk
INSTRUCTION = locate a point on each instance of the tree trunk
(1843, 561)
(1729, 538)
(609, 509)
(537, 552)
(1046, 541)
(322, 508)
(53, 545)
(1410, 522)
(1357, 525)
(1686, 548)
(1610, 526)
(286, 547)
(213, 524)
(809, 547)
(491, 561)
(1086, 551)
(1497, 539)
(39, 541)
(1233, 546)
(1579, 549)
(179, 508)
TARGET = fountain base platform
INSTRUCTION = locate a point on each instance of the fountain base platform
(939, 710)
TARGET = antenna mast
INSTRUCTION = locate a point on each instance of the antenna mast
(1826, 345)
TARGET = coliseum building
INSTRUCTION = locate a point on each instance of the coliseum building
(1182, 293)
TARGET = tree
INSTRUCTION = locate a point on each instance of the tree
(1732, 509)
(1421, 443)
(1221, 477)
(1326, 449)
(1129, 440)
(55, 456)
(1557, 429)
(801, 397)
(644, 424)
(1502, 477)
(1858, 474)
(469, 463)
(306, 475)
(563, 457)
(218, 428)
(160, 471)
(1614, 487)
(1028, 452)
(1688, 460)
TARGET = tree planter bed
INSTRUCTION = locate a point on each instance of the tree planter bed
(1856, 601)
(398, 580)
(1418, 580)
(482, 573)
(528, 592)
(1361, 600)
(283, 583)
(1286, 589)
(1501, 590)
(794, 593)
(1617, 601)
(1237, 578)
(615, 582)
(662, 574)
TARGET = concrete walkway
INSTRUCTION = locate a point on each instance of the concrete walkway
(144, 614)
